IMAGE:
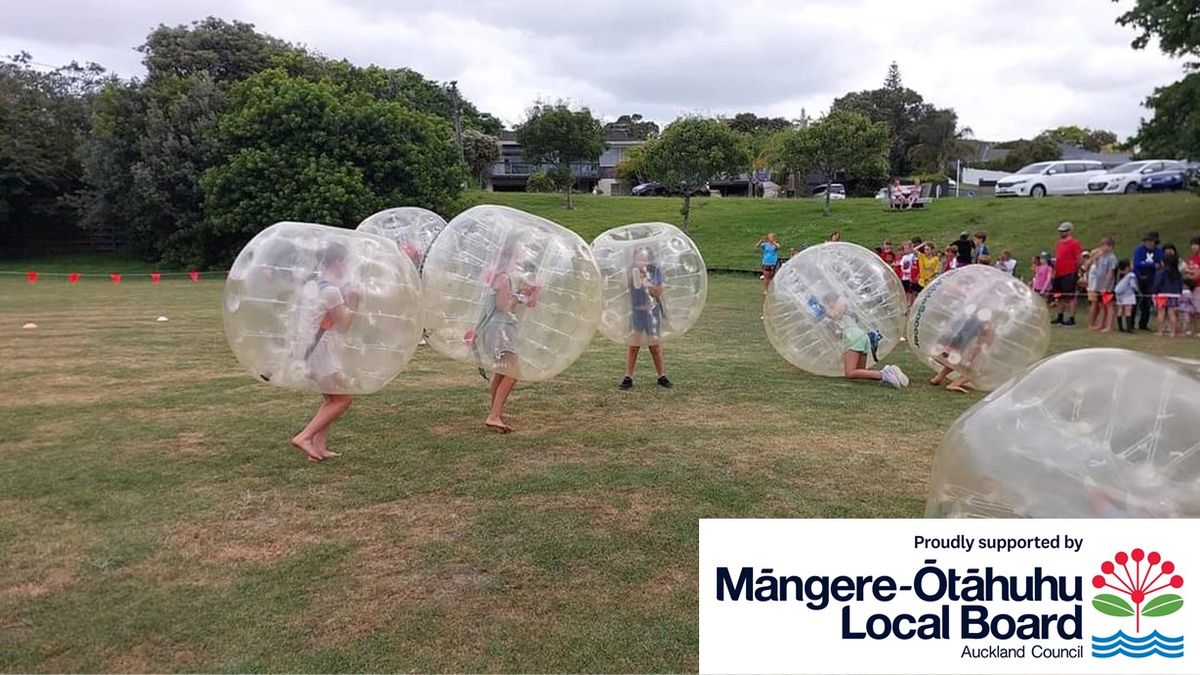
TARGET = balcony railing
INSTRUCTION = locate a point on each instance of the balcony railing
(517, 169)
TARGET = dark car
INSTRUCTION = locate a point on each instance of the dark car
(1170, 179)
(659, 190)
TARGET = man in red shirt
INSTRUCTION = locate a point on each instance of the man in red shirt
(1064, 288)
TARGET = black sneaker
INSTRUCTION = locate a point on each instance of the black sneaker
(1056, 320)
(664, 382)
(626, 383)
(1069, 323)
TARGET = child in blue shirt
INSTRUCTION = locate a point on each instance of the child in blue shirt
(770, 258)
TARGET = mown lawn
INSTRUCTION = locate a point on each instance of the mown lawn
(154, 518)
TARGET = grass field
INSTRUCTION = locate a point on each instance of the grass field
(154, 518)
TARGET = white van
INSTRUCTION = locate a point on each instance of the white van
(1063, 177)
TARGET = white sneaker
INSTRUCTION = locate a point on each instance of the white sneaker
(893, 377)
(900, 375)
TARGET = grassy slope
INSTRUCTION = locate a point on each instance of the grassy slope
(726, 229)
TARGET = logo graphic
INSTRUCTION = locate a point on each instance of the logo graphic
(1138, 585)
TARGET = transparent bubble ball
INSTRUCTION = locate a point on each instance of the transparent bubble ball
(290, 282)
(655, 283)
(981, 322)
(511, 293)
(412, 228)
(825, 296)
(1091, 433)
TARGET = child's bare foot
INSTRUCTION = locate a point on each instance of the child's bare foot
(937, 379)
(497, 425)
(1105, 330)
(306, 446)
(961, 388)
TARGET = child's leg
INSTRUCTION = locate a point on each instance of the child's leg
(962, 385)
(331, 408)
(854, 367)
(1172, 320)
(495, 384)
(495, 418)
(1106, 317)
(1094, 315)
(631, 356)
(657, 356)
(942, 375)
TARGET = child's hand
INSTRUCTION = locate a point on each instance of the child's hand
(469, 337)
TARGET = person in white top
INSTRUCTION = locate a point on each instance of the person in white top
(1007, 263)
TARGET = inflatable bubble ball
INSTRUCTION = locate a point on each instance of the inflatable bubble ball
(827, 297)
(510, 293)
(984, 324)
(655, 283)
(1092, 433)
(322, 308)
(413, 229)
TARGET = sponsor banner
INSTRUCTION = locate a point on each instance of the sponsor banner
(949, 596)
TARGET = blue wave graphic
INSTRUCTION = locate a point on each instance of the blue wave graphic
(1137, 647)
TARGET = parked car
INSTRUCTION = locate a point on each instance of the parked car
(659, 190)
(1127, 178)
(1063, 177)
(836, 191)
(1173, 178)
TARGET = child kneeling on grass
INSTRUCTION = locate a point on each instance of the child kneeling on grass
(957, 354)
(857, 343)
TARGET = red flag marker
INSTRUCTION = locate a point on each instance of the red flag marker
(116, 277)
(73, 277)
(194, 275)
(31, 276)
(154, 276)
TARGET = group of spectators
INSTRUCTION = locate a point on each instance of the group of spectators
(919, 261)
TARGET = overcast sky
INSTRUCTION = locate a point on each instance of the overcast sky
(1010, 68)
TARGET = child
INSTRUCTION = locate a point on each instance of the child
(496, 334)
(897, 259)
(857, 342)
(326, 308)
(908, 262)
(981, 248)
(957, 353)
(927, 264)
(950, 259)
(770, 258)
(1007, 263)
(1187, 306)
(646, 315)
(1126, 292)
(1101, 280)
(886, 253)
(1168, 288)
(1043, 274)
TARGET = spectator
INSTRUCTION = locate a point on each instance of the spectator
(1043, 274)
(836, 235)
(896, 194)
(770, 258)
(1067, 255)
(981, 248)
(914, 193)
(1126, 292)
(965, 250)
(1007, 263)
(949, 259)
(1102, 278)
(1146, 260)
(1193, 262)
(886, 252)
(1168, 289)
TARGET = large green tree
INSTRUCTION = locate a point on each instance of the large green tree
(692, 151)
(1094, 140)
(1174, 130)
(553, 133)
(940, 141)
(749, 123)
(842, 144)
(901, 108)
(634, 125)
(43, 115)
(313, 151)
(480, 151)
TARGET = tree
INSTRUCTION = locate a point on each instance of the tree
(480, 151)
(632, 166)
(692, 151)
(901, 108)
(1093, 140)
(1176, 24)
(843, 143)
(224, 51)
(552, 133)
(313, 151)
(634, 126)
(749, 123)
(1174, 130)
(940, 141)
(1022, 153)
(43, 114)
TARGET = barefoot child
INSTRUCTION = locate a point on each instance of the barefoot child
(494, 338)
(1101, 280)
(327, 310)
(1168, 288)
(957, 354)
(1126, 292)
(770, 258)
(646, 315)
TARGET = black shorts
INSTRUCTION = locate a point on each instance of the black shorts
(908, 286)
(916, 288)
(1066, 284)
